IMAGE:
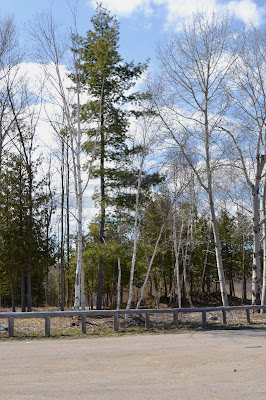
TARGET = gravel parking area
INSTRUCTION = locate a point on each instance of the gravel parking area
(197, 365)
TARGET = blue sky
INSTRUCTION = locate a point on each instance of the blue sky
(142, 22)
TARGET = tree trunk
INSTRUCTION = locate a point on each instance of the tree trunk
(151, 263)
(79, 194)
(29, 295)
(102, 222)
(256, 267)
(82, 289)
(263, 294)
(150, 291)
(118, 284)
(218, 252)
(67, 226)
(12, 290)
(136, 235)
(177, 252)
(205, 264)
(112, 302)
(29, 292)
(100, 285)
(62, 227)
(186, 286)
(244, 290)
(217, 243)
(22, 291)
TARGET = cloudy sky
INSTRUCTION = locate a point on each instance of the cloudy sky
(143, 22)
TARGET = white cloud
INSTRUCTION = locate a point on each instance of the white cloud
(179, 8)
(125, 7)
(245, 10)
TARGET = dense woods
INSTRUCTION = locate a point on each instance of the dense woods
(172, 160)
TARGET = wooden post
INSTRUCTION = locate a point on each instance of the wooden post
(47, 326)
(203, 319)
(147, 320)
(116, 322)
(10, 326)
(224, 316)
(83, 323)
(248, 316)
(176, 318)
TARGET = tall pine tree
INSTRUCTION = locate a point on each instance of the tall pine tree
(107, 78)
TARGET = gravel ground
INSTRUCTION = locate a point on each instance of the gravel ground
(222, 365)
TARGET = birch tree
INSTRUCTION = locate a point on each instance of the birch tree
(10, 75)
(191, 101)
(52, 48)
(181, 179)
(168, 208)
(248, 132)
(147, 138)
(263, 292)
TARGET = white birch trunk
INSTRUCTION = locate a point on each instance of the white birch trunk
(53, 50)
(217, 243)
(263, 293)
(177, 252)
(205, 264)
(185, 267)
(218, 252)
(256, 262)
(255, 188)
(136, 235)
(79, 296)
(256, 266)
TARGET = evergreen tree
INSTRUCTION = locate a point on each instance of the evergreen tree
(15, 217)
(226, 224)
(107, 78)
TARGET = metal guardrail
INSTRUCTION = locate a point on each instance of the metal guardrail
(47, 315)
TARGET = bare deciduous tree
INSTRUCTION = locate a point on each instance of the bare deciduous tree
(248, 132)
(192, 101)
(52, 48)
(10, 81)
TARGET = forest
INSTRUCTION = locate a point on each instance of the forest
(172, 160)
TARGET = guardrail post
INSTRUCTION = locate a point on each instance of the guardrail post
(83, 323)
(147, 320)
(203, 319)
(10, 326)
(224, 316)
(47, 326)
(116, 322)
(248, 316)
(176, 318)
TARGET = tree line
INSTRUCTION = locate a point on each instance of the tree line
(180, 166)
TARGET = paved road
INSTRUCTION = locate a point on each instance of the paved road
(200, 365)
